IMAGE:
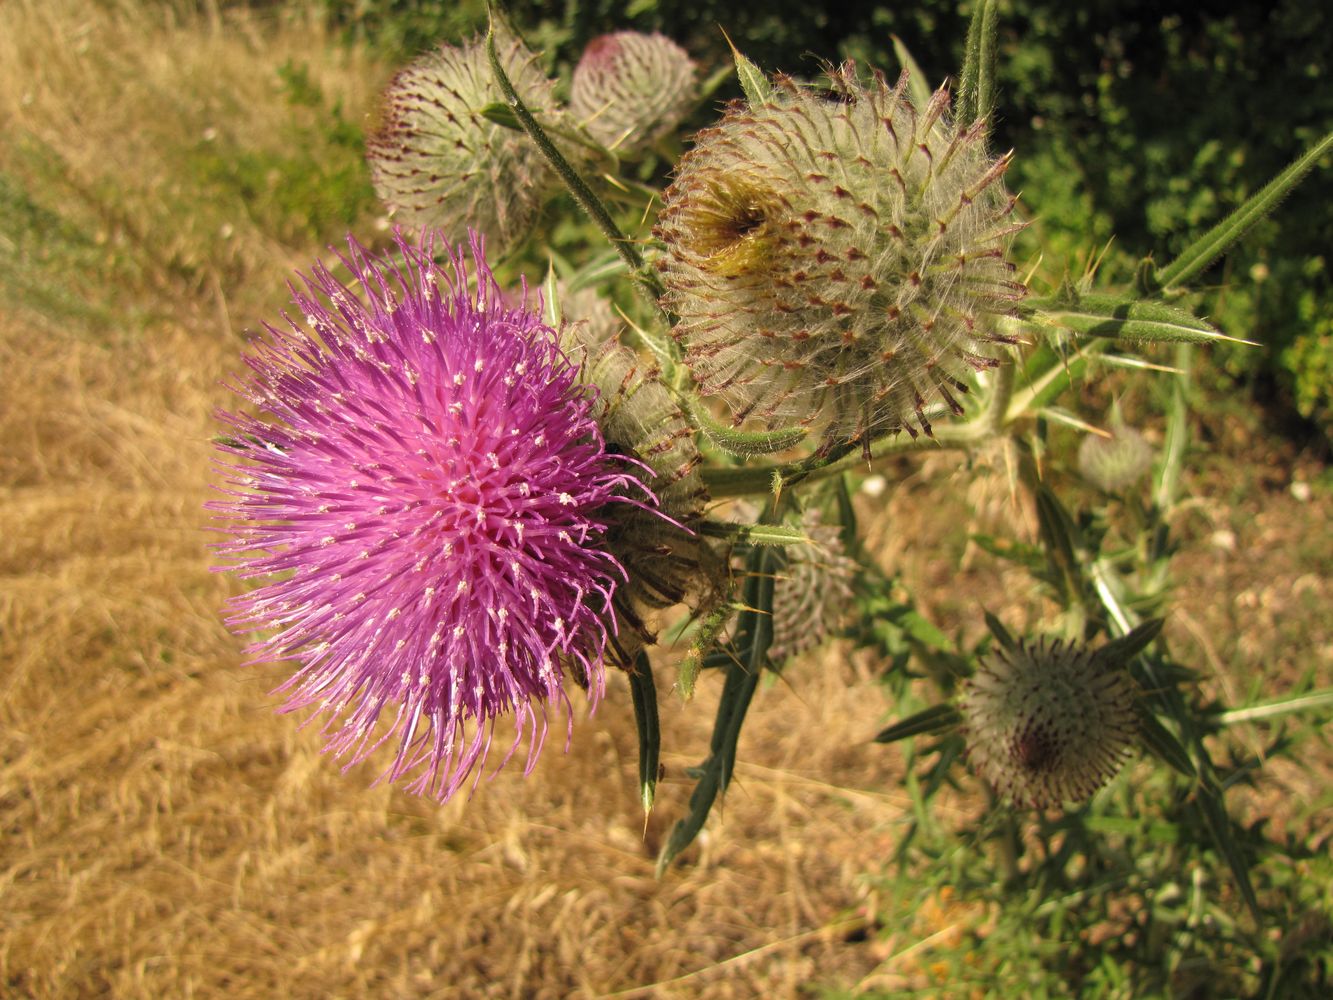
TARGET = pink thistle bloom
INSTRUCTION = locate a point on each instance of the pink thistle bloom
(425, 493)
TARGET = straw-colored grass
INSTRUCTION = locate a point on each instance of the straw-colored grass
(165, 833)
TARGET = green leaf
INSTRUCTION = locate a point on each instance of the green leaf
(754, 634)
(918, 88)
(1118, 652)
(501, 114)
(1212, 244)
(753, 81)
(1162, 744)
(1209, 801)
(643, 692)
(1002, 634)
(927, 722)
(1278, 707)
(1128, 319)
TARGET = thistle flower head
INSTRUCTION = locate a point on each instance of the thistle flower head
(667, 561)
(837, 257)
(1115, 463)
(630, 89)
(814, 590)
(1049, 722)
(426, 494)
(437, 161)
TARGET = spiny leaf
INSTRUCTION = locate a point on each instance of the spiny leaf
(1162, 744)
(1128, 319)
(927, 722)
(643, 692)
(1212, 244)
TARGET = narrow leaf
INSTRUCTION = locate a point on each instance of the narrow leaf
(1120, 651)
(1212, 244)
(1278, 707)
(918, 88)
(1129, 319)
(1162, 744)
(927, 722)
(1210, 804)
(502, 114)
(643, 692)
(756, 534)
(1002, 634)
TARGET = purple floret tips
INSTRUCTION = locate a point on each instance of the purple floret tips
(424, 494)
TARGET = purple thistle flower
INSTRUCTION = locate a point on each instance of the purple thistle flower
(425, 493)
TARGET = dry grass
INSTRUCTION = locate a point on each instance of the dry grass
(165, 833)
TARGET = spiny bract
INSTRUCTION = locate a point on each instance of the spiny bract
(837, 257)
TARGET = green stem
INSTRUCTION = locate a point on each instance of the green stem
(740, 481)
(646, 279)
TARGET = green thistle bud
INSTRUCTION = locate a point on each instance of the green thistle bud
(837, 258)
(813, 593)
(1116, 463)
(437, 161)
(630, 89)
(668, 562)
(1048, 723)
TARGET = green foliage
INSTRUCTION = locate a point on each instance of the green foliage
(313, 186)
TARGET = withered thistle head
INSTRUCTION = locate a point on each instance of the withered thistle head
(1048, 722)
(630, 89)
(666, 560)
(437, 162)
(837, 257)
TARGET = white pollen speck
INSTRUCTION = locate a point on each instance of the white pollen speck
(458, 378)
(493, 459)
(448, 548)
(521, 367)
(501, 614)
(400, 644)
(393, 613)
(405, 677)
(539, 440)
(462, 586)
(565, 499)
(459, 631)
(311, 321)
(564, 537)
(503, 647)
(327, 540)
(430, 592)
(363, 554)
(524, 489)
(350, 525)
(359, 597)
(427, 336)
(423, 680)
(454, 408)
(477, 365)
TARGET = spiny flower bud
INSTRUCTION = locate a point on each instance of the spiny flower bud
(667, 562)
(1115, 463)
(814, 590)
(630, 89)
(1049, 722)
(837, 257)
(436, 161)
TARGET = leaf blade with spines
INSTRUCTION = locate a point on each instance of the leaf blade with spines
(1196, 258)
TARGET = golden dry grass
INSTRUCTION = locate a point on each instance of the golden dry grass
(165, 833)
